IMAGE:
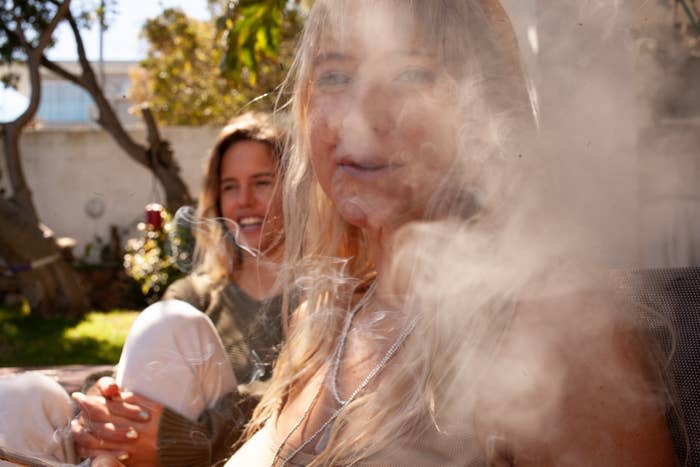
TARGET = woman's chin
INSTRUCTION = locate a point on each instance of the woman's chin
(354, 213)
(375, 216)
(249, 240)
(376, 208)
(264, 243)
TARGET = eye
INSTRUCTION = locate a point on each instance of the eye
(333, 78)
(416, 75)
(263, 183)
(228, 186)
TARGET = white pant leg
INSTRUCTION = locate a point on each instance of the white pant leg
(174, 355)
(35, 414)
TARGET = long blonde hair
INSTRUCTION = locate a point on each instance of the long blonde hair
(213, 255)
(475, 42)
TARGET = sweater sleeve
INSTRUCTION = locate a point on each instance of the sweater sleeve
(193, 289)
(207, 441)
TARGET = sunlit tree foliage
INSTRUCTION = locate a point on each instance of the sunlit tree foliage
(200, 72)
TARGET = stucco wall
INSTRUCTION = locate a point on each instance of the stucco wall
(67, 168)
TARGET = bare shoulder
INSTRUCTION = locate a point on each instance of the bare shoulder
(574, 384)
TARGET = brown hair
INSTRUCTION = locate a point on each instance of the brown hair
(212, 255)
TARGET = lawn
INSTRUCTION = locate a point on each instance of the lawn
(29, 340)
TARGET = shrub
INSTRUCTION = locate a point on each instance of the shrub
(160, 255)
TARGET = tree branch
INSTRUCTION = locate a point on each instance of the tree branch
(11, 129)
(152, 131)
(157, 157)
(80, 45)
(19, 34)
(33, 60)
(45, 39)
(107, 119)
(61, 71)
(15, 38)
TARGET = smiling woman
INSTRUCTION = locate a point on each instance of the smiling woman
(249, 195)
(194, 364)
(242, 193)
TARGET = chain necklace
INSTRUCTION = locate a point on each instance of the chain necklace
(340, 347)
(343, 403)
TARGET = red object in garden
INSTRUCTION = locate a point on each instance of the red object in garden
(154, 216)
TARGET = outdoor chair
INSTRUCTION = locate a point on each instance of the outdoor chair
(669, 302)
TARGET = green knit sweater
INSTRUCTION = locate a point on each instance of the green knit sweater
(251, 333)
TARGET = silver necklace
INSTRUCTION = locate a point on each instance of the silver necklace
(340, 347)
(365, 382)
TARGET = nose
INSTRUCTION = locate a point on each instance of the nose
(370, 113)
(245, 195)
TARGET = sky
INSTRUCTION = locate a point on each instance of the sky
(122, 41)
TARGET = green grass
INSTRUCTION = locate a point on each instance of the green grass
(28, 340)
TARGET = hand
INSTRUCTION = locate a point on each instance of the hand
(105, 387)
(117, 424)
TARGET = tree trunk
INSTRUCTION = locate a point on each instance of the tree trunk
(49, 283)
(53, 288)
(176, 192)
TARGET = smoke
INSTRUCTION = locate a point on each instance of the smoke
(587, 81)
(518, 342)
(188, 226)
(514, 304)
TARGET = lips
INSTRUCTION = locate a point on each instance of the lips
(249, 222)
(365, 168)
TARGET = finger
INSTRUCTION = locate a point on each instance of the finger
(102, 436)
(108, 387)
(118, 458)
(79, 432)
(97, 408)
(83, 437)
(112, 434)
(138, 399)
(92, 407)
(90, 444)
(128, 410)
(105, 461)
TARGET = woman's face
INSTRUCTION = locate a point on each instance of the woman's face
(248, 194)
(381, 122)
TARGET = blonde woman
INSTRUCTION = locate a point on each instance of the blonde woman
(417, 343)
(192, 365)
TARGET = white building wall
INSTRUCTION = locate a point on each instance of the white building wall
(67, 168)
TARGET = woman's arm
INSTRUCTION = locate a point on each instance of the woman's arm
(122, 425)
(159, 436)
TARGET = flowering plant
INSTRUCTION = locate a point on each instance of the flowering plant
(161, 255)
